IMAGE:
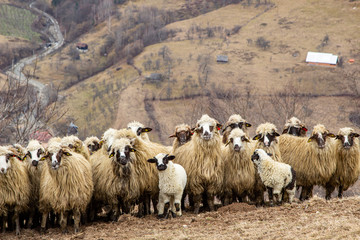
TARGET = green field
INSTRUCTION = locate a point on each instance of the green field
(17, 22)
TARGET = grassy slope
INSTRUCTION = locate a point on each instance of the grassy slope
(291, 27)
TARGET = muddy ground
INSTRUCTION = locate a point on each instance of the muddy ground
(313, 219)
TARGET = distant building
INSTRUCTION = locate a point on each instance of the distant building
(321, 59)
(222, 59)
(83, 47)
(154, 77)
(41, 135)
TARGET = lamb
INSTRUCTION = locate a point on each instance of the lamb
(235, 121)
(202, 160)
(275, 175)
(74, 143)
(312, 158)
(239, 171)
(35, 155)
(182, 135)
(139, 129)
(93, 144)
(266, 136)
(15, 190)
(172, 182)
(295, 127)
(65, 185)
(347, 162)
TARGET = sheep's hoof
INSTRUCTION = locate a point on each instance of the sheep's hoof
(64, 231)
(173, 215)
(177, 206)
(77, 230)
(17, 232)
(42, 230)
(160, 216)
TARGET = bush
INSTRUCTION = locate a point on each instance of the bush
(262, 43)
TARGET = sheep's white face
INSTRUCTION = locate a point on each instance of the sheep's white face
(267, 138)
(320, 138)
(5, 163)
(138, 130)
(161, 160)
(56, 157)
(347, 139)
(258, 156)
(206, 130)
(120, 153)
(34, 156)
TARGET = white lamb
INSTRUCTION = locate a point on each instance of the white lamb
(172, 182)
(276, 176)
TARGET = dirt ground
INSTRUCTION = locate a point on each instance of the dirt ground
(313, 219)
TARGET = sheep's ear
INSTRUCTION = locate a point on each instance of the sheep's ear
(227, 143)
(331, 135)
(276, 134)
(170, 157)
(152, 160)
(337, 137)
(257, 137)
(132, 149)
(172, 136)
(311, 138)
(356, 135)
(218, 126)
(248, 125)
(270, 154)
(246, 139)
(304, 129)
(142, 130)
(111, 155)
(67, 154)
(285, 130)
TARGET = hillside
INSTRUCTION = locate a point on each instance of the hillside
(266, 45)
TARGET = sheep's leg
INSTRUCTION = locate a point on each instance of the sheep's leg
(341, 191)
(160, 206)
(63, 222)
(329, 190)
(154, 202)
(210, 201)
(43, 221)
(115, 212)
(172, 207)
(77, 217)
(177, 204)
(4, 220)
(271, 196)
(31, 218)
(197, 202)
(306, 193)
(291, 194)
(205, 201)
(227, 196)
(147, 204)
(17, 222)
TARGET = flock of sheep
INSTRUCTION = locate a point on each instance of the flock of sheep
(75, 181)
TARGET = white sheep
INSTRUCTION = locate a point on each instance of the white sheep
(172, 182)
(139, 129)
(276, 176)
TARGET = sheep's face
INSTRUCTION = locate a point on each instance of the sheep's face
(120, 153)
(320, 138)
(241, 125)
(161, 160)
(238, 140)
(267, 138)
(5, 162)
(94, 146)
(259, 155)
(206, 130)
(295, 131)
(35, 156)
(139, 130)
(183, 135)
(57, 156)
(347, 140)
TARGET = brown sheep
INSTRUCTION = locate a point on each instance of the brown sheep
(235, 121)
(182, 135)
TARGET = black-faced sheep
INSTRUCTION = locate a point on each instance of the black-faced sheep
(92, 143)
(182, 135)
(202, 159)
(295, 127)
(275, 175)
(65, 185)
(267, 139)
(347, 171)
(239, 170)
(172, 182)
(15, 189)
(234, 121)
(312, 158)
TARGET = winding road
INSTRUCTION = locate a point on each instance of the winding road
(57, 40)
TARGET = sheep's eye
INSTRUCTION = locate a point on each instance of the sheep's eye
(233, 125)
(111, 155)
(211, 128)
(243, 138)
(42, 159)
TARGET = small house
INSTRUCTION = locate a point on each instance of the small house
(222, 59)
(83, 47)
(41, 135)
(154, 77)
(321, 59)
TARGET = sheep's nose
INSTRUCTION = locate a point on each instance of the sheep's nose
(206, 133)
(2, 170)
(34, 163)
(237, 147)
